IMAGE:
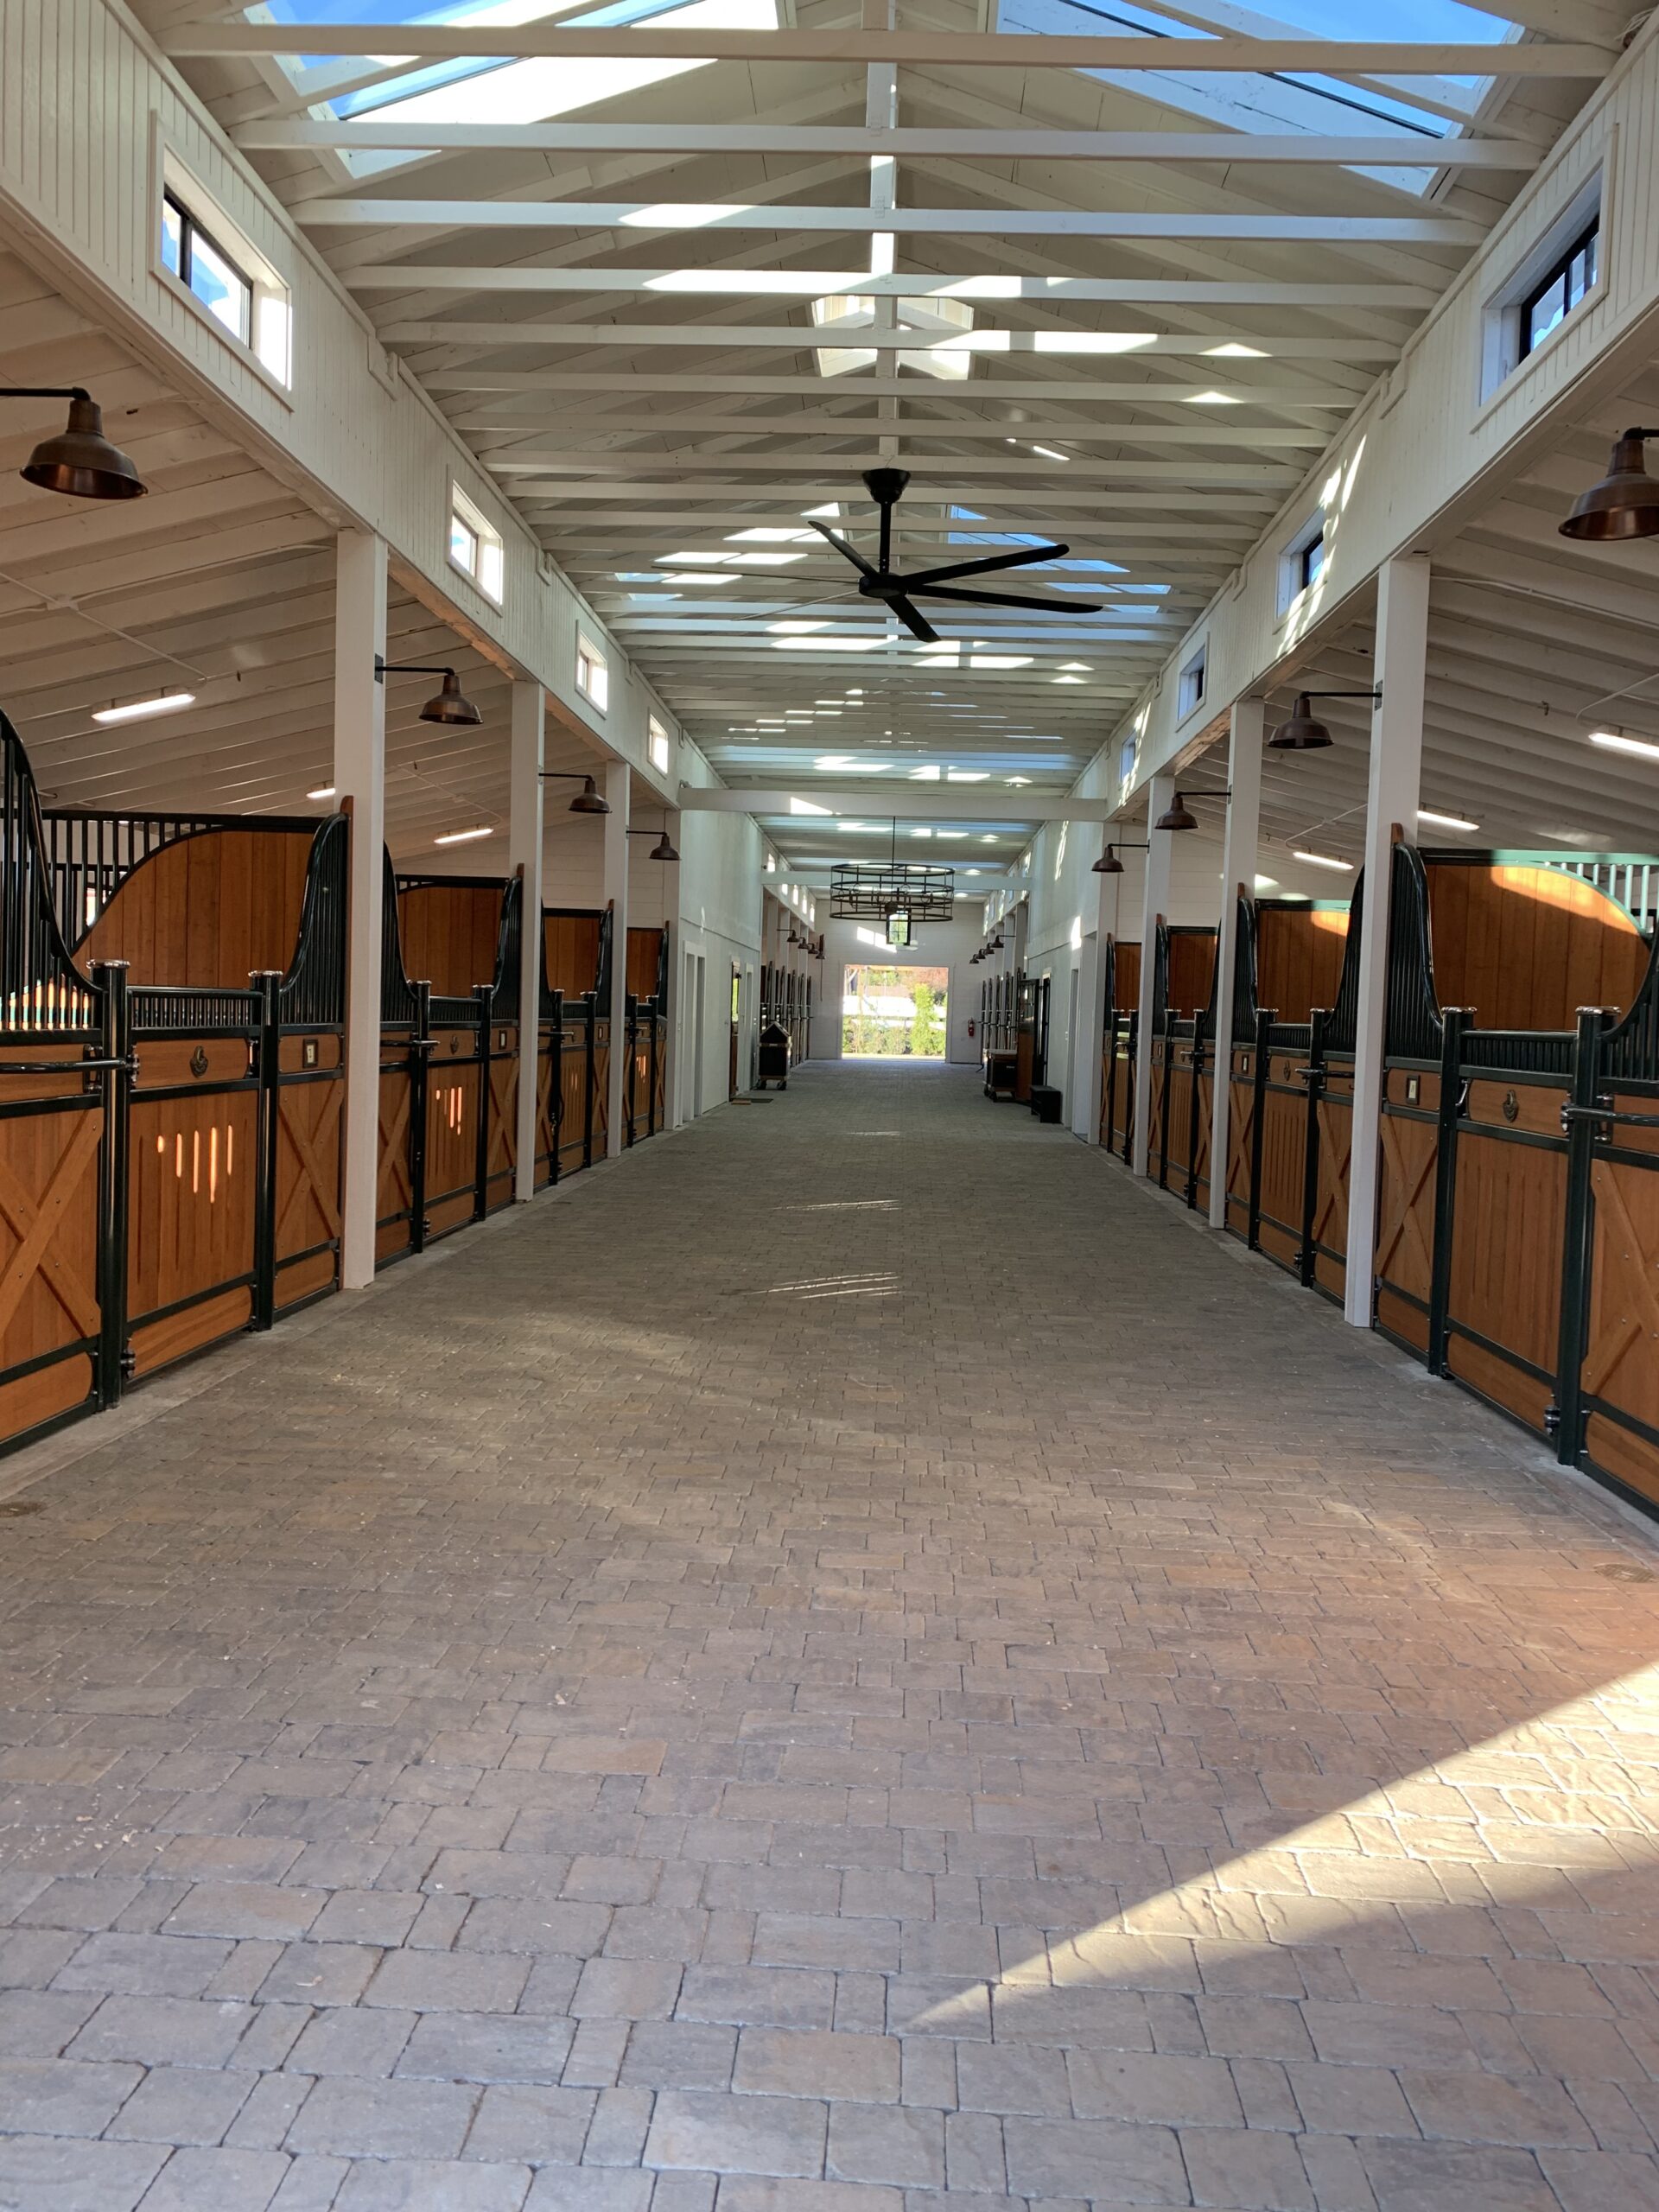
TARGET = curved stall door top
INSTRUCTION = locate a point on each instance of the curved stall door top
(450, 933)
(206, 910)
(1527, 946)
(1299, 956)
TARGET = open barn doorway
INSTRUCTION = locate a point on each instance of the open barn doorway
(890, 1014)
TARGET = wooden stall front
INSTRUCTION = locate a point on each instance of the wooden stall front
(575, 1046)
(1490, 957)
(1178, 1127)
(1117, 1073)
(169, 1168)
(645, 1076)
(1290, 1115)
(449, 1057)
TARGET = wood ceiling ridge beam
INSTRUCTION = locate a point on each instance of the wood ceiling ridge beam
(803, 339)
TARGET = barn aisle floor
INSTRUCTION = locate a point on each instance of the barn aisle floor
(850, 1662)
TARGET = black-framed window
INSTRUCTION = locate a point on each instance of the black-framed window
(198, 260)
(1562, 288)
(1310, 561)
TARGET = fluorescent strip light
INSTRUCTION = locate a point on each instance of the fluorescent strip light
(140, 710)
(1323, 860)
(1616, 741)
(463, 836)
(1445, 821)
(323, 791)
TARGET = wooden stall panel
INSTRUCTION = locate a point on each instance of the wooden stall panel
(1298, 955)
(547, 1135)
(395, 1193)
(194, 1167)
(48, 1253)
(570, 951)
(1405, 1207)
(644, 957)
(1240, 1138)
(449, 933)
(1527, 946)
(1176, 1091)
(1126, 976)
(1156, 1111)
(311, 1101)
(1507, 1231)
(573, 1145)
(1192, 970)
(452, 1100)
(502, 1156)
(659, 1095)
(1335, 1114)
(1284, 1156)
(206, 910)
(1203, 1107)
(1621, 1362)
(1025, 1050)
(1124, 1099)
(601, 1082)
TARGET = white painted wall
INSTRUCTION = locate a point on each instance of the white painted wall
(939, 944)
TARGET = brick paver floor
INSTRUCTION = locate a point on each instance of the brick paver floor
(853, 1662)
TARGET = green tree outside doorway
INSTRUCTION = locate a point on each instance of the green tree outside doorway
(890, 1012)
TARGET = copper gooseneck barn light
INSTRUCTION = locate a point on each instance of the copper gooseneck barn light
(588, 799)
(663, 848)
(1110, 864)
(1625, 504)
(1180, 815)
(447, 705)
(1302, 731)
(80, 460)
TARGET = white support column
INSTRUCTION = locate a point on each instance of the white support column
(1238, 858)
(614, 782)
(1394, 795)
(1154, 900)
(525, 851)
(1091, 1010)
(360, 777)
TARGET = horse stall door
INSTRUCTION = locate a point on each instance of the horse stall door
(311, 1098)
(501, 1157)
(394, 1233)
(1241, 1137)
(192, 1168)
(51, 1129)
(1284, 1112)
(547, 1056)
(1507, 1231)
(1334, 1140)
(601, 1089)
(1405, 1204)
(1619, 1378)
(452, 1102)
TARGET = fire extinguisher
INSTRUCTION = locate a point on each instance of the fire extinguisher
(971, 1029)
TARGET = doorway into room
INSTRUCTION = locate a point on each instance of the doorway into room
(892, 1013)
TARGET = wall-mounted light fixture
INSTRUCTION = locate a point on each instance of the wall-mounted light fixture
(80, 460)
(663, 849)
(1110, 864)
(1180, 815)
(588, 799)
(1302, 731)
(447, 705)
(1625, 504)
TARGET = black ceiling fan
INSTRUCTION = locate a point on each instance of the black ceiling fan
(886, 487)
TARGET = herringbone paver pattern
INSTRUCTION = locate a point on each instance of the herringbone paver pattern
(855, 1662)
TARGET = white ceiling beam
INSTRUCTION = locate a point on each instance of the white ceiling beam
(1128, 469)
(928, 48)
(625, 383)
(1204, 431)
(813, 283)
(702, 217)
(802, 338)
(901, 800)
(412, 135)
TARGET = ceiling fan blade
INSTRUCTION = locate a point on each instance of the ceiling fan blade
(1004, 599)
(842, 546)
(917, 624)
(983, 568)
